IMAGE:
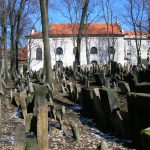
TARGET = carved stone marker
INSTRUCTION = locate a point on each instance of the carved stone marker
(42, 116)
(139, 110)
(19, 137)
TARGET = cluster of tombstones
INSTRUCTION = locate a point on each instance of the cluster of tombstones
(98, 88)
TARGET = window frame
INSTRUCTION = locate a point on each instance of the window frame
(39, 53)
(60, 52)
(93, 51)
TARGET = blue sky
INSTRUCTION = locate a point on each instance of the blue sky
(55, 16)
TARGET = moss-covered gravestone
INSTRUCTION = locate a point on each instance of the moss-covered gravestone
(31, 143)
(139, 110)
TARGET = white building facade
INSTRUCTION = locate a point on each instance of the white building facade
(143, 43)
(98, 40)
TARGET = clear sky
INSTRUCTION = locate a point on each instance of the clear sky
(58, 12)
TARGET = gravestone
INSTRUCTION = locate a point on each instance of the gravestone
(124, 87)
(98, 110)
(109, 103)
(19, 143)
(42, 117)
(142, 87)
(87, 100)
(139, 110)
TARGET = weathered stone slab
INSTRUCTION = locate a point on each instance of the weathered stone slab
(124, 87)
(87, 100)
(42, 117)
(143, 88)
(23, 103)
(97, 108)
(19, 137)
(77, 92)
(28, 122)
(109, 104)
(139, 110)
(31, 143)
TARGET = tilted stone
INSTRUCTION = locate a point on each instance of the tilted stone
(75, 130)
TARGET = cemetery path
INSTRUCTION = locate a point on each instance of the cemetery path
(90, 137)
(9, 120)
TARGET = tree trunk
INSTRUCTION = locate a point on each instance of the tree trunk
(4, 37)
(45, 29)
(81, 28)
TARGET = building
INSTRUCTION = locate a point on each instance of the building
(143, 42)
(97, 39)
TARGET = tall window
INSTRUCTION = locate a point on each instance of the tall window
(129, 54)
(129, 42)
(93, 50)
(148, 52)
(148, 42)
(38, 54)
(59, 51)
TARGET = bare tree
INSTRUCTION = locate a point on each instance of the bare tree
(19, 13)
(45, 29)
(4, 34)
(108, 15)
(135, 19)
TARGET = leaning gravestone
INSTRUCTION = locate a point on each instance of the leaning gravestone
(139, 110)
(110, 107)
(124, 87)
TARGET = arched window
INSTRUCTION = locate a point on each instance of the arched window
(93, 50)
(94, 62)
(38, 54)
(148, 52)
(74, 50)
(59, 51)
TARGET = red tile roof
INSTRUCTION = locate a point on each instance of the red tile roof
(67, 29)
(23, 55)
(138, 33)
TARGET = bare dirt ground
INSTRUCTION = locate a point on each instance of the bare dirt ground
(90, 136)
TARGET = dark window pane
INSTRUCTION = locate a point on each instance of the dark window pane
(94, 50)
(38, 54)
(93, 62)
(59, 51)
